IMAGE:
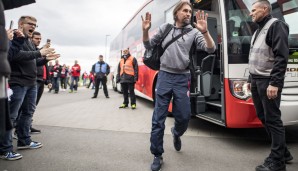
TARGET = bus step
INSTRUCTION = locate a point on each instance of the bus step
(214, 103)
(211, 117)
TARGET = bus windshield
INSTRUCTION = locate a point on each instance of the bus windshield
(240, 27)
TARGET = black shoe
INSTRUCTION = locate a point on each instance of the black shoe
(270, 165)
(176, 140)
(107, 97)
(34, 131)
(93, 97)
(288, 156)
(157, 163)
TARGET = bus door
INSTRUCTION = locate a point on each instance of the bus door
(207, 86)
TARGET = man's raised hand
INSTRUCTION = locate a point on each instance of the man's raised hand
(201, 23)
(146, 24)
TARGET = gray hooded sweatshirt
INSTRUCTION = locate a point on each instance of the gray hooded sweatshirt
(175, 59)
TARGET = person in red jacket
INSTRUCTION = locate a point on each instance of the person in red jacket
(75, 76)
(84, 78)
(91, 79)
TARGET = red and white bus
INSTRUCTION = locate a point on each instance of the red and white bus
(218, 91)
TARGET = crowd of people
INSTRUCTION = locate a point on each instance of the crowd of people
(62, 76)
(32, 69)
(28, 71)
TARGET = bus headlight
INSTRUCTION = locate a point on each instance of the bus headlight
(239, 89)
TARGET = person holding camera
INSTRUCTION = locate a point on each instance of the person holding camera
(127, 76)
(5, 122)
(101, 70)
(174, 75)
(42, 73)
(23, 84)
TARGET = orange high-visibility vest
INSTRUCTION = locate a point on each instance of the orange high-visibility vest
(127, 67)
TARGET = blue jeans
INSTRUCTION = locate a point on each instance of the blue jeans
(23, 99)
(74, 85)
(170, 86)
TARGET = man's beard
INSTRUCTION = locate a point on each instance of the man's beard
(186, 22)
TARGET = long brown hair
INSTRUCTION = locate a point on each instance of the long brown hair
(178, 7)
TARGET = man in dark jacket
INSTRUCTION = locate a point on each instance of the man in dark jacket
(23, 84)
(267, 66)
(128, 75)
(5, 123)
(101, 70)
(42, 74)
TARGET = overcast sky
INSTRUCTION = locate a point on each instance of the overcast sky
(78, 28)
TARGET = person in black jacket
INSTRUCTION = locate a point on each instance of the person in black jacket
(127, 75)
(43, 77)
(42, 74)
(101, 70)
(267, 66)
(5, 123)
(23, 84)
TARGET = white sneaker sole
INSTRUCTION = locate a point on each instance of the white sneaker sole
(28, 147)
(11, 159)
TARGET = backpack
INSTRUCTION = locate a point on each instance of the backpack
(152, 56)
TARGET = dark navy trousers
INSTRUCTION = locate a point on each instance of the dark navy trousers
(170, 86)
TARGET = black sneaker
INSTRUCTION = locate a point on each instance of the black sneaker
(34, 131)
(157, 163)
(288, 156)
(93, 97)
(270, 165)
(107, 97)
(176, 140)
